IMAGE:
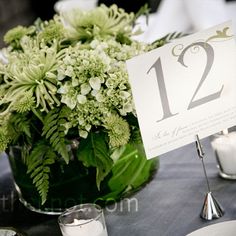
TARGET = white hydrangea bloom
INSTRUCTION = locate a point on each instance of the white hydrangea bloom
(95, 83)
(85, 88)
(69, 101)
(94, 92)
(99, 97)
(83, 133)
(81, 99)
(125, 94)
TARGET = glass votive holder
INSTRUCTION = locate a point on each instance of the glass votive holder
(83, 220)
(224, 145)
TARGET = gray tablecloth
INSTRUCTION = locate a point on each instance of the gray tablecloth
(167, 206)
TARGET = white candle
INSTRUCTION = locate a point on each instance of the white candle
(84, 228)
(225, 146)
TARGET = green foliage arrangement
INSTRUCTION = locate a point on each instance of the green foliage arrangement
(65, 79)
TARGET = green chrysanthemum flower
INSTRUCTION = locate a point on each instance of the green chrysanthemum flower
(101, 22)
(118, 130)
(34, 71)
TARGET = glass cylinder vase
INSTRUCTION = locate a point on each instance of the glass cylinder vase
(74, 183)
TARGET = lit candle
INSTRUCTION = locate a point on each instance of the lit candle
(84, 228)
(83, 220)
(225, 147)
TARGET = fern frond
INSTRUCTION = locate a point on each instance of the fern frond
(173, 36)
(54, 131)
(19, 125)
(166, 39)
(38, 162)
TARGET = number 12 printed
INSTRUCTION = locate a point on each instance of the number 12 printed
(193, 103)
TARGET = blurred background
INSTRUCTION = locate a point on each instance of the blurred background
(166, 15)
(24, 12)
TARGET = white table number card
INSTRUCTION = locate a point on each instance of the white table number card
(185, 88)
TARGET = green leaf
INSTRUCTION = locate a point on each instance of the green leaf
(130, 171)
(94, 152)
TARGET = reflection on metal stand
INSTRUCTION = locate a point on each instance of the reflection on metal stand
(211, 209)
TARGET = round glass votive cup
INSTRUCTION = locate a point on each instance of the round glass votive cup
(224, 146)
(83, 220)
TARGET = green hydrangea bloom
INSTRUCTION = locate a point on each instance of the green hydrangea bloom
(13, 36)
(94, 82)
(51, 31)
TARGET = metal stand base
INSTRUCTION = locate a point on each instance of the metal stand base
(211, 209)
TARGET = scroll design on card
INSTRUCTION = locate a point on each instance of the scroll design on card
(178, 47)
(220, 35)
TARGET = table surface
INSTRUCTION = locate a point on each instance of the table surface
(169, 205)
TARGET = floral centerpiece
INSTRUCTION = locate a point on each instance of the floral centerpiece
(66, 98)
